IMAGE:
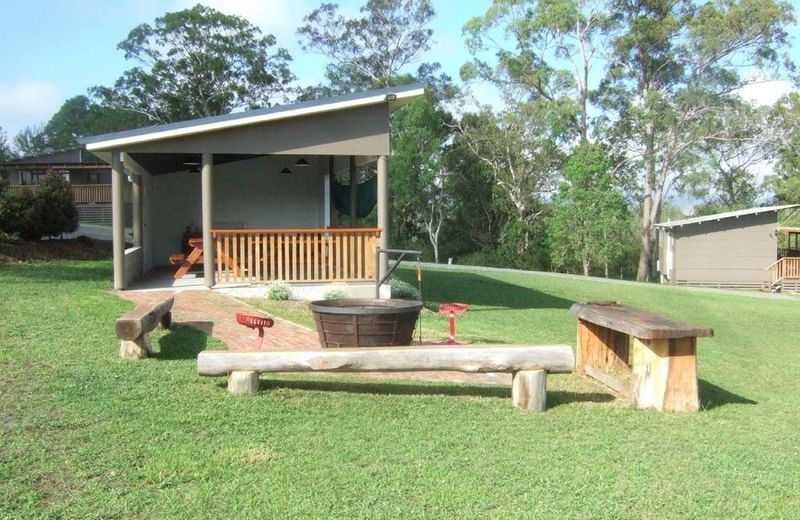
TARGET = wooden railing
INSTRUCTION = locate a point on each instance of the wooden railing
(787, 268)
(91, 193)
(785, 251)
(295, 255)
(81, 193)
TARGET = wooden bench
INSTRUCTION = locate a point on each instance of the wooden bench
(657, 354)
(529, 365)
(133, 328)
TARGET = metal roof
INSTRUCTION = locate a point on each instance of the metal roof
(726, 215)
(396, 96)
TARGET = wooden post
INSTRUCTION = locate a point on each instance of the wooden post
(383, 212)
(529, 390)
(207, 187)
(118, 219)
(353, 193)
(665, 374)
(243, 382)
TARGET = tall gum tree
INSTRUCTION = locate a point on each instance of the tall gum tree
(673, 69)
(198, 62)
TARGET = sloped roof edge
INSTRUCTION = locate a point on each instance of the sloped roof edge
(726, 215)
(393, 95)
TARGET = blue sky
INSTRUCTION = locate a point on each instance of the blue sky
(53, 50)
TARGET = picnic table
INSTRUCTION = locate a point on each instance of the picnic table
(195, 257)
(657, 353)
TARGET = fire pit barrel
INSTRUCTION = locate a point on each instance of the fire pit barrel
(356, 322)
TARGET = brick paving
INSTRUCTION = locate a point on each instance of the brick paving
(215, 314)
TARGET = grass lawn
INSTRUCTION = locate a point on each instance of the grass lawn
(85, 434)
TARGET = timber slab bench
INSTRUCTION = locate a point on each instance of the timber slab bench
(529, 365)
(133, 328)
(662, 352)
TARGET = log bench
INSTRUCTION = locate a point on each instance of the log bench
(657, 354)
(529, 365)
(133, 328)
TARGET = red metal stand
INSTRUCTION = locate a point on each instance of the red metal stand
(255, 322)
(453, 309)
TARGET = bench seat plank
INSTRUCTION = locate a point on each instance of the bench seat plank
(637, 323)
(488, 358)
(143, 319)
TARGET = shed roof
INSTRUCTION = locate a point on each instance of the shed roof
(723, 216)
(395, 96)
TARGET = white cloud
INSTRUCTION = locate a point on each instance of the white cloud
(764, 93)
(27, 103)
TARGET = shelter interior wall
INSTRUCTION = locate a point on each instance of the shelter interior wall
(247, 194)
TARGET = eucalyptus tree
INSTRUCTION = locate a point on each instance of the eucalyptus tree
(547, 52)
(589, 212)
(523, 150)
(370, 50)
(674, 67)
(786, 117)
(31, 140)
(198, 62)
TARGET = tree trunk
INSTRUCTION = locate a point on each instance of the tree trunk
(646, 253)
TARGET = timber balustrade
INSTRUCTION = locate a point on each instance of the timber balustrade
(295, 255)
(81, 193)
(787, 268)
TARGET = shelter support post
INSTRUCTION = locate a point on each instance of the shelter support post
(136, 195)
(353, 193)
(383, 213)
(333, 217)
(118, 219)
(207, 188)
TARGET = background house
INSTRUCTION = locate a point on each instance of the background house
(737, 249)
(88, 175)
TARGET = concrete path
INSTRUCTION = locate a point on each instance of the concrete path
(215, 314)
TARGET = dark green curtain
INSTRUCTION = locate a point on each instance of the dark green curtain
(367, 197)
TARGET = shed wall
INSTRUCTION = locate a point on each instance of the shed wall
(730, 251)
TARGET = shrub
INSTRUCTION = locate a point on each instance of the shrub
(279, 291)
(334, 294)
(49, 212)
(403, 290)
(58, 212)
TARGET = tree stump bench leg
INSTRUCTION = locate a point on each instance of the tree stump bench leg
(243, 382)
(138, 348)
(665, 374)
(529, 390)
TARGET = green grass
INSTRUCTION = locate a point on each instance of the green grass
(84, 434)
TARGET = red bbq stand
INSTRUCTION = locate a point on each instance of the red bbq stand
(255, 322)
(453, 309)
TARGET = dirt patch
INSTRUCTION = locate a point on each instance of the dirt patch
(81, 248)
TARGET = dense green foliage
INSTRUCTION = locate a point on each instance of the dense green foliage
(86, 434)
(786, 116)
(590, 219)
(46, 213)
(198, 62)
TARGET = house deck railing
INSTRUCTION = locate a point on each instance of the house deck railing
(81, 193)
(787, 268)
(295, 255)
